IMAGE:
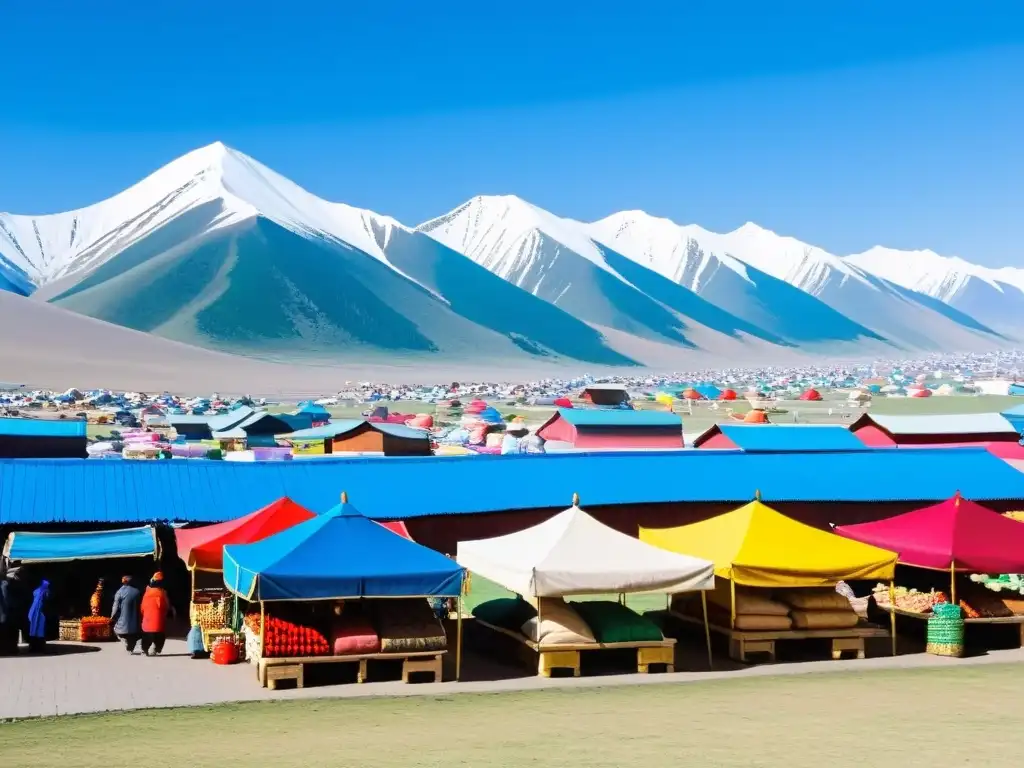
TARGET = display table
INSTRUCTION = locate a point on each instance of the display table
(549, 657)
(745, 642)
(1017, 620)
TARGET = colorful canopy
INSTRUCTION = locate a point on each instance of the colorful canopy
(759, 547)
(338, 555)
(203, 548)
(574, 554)
(955, 533)
(32, 547)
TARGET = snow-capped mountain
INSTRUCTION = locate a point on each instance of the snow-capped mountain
(217, 250)
(904, 317)
(555, 259)
(993, 296)
(766, 301)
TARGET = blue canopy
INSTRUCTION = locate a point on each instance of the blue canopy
(338, 555)
(32, 547)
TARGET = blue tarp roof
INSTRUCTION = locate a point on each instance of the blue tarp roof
(708, 391)
(42, 427)
(29, 546)
(340, 554)
(792, 437)
(34, 491)
(592, 417)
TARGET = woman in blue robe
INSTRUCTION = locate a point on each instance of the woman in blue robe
(37, 617)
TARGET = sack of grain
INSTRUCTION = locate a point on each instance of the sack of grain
(814, 599)
(748, 600)
(754, 623)
(824, 619)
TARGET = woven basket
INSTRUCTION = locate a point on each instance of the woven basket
(69, 629)
(946, 633)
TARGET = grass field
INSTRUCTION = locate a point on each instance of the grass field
(928, 717)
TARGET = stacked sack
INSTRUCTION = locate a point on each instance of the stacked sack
(755, 608)
(818, 609)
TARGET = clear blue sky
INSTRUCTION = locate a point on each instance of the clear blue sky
(842, 123)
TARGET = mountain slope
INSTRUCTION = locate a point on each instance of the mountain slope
(765, 301)
(554, 259)
(994, 297)
(220, 251)
(906, 318)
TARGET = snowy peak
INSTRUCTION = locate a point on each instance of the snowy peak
(941, 277)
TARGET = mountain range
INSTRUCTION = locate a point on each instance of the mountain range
(217, 251)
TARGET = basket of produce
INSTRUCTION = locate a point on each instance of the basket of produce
(946, 631)
(209, 615)
(69, 629)
(94, 629)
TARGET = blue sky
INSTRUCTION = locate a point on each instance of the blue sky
(846, 126)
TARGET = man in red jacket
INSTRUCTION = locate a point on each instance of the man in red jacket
(156, 606)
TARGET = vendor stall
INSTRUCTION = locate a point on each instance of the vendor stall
(572, 554)
(341, 588)
(32, 547)
(202, 550)
(954, 537)
(776, 579)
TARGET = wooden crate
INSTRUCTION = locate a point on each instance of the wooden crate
(69, 629)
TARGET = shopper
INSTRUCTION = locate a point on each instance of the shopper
(125, 615)
(37, 617)
(156, 607)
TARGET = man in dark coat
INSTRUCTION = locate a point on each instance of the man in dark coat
(126, 615)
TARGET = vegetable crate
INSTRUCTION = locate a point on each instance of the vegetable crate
(69, 629)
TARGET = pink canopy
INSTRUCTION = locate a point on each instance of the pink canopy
(954, 534)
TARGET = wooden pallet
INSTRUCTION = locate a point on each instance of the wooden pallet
(743, 643)
(649, 653)
(270, 671)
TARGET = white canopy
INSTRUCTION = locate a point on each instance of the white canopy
(574, 554)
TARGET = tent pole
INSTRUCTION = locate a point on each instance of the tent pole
(192, 571)
(263, 629)
(732, 601)
(458, 644)
(952, 582)
(892, 613)
(707, 626)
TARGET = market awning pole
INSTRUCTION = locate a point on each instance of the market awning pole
(193, 573)
(732, 602)
(952, 582)
(263, 629)
(707, 626)
(458, 642)
(892, 613)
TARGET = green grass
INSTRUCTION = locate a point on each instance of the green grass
(967, 715)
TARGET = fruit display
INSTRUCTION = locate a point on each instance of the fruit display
(1004, 582)
(288, 639)
(93, 628)
(96, 600)
(909, 600)
(212, 614)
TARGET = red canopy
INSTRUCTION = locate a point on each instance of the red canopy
(956, 533)
(563, 402)
(920, 393)
(203, 548)
(692, 394)
(398, 526)
(811, 394)
(727, 394)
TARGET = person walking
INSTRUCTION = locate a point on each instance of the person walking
(37, 617)
(125, 615)
(156, 606)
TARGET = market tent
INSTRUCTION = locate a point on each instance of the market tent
(812, 395)
(203, 548)
(574, 554)
(399, 527)
(33, 547)
(759, 547)
(956, 534)
(727, 394)
(338, 555)
(708, 391)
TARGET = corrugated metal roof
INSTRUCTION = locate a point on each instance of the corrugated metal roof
(594, 417)
(343, 426)
(792, 437)
(240, 430)
(35, 491)
(42, 427)
(950, 424)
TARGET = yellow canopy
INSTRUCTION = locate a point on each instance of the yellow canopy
(759, 547)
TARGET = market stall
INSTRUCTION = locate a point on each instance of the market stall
(34, 548)
(776, 580)
(952, 538)
(340, 588)
(202, 550)
(572, 554)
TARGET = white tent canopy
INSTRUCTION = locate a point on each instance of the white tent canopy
(574, 554)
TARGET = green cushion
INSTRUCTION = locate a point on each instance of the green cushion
(505, 612)
(615, 623)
